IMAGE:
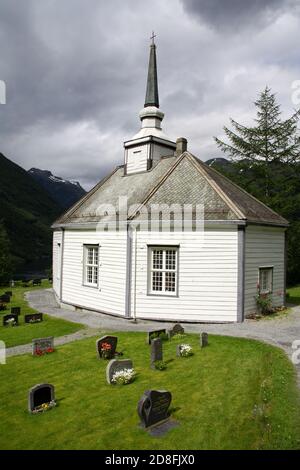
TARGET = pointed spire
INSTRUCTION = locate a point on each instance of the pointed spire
(152, 84)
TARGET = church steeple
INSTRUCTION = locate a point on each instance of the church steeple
(150, 144)
(152, 83)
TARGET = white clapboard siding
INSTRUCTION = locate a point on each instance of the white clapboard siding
(207, 277)
(110, 294)
(264, 246)
(56, 260)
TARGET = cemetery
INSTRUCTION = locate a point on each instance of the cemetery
(229, 394)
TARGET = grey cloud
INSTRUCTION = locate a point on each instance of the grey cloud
(76, 74)
(234, 14)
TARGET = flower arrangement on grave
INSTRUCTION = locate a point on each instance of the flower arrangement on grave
(44, 407)
(11, 322)
(106, 350)
(123, 377)
(186, 350)
(160, 365)
(41, 352)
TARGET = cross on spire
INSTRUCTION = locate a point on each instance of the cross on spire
(152, 37)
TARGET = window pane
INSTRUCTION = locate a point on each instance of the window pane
(95, 255)
(95, 275)
(171, 259)
(89, 274)
(170, 282)
(157, 281)
(90, 256)
(157, 259)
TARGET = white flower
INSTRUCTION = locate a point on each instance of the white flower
(123, 377)
(186, 350)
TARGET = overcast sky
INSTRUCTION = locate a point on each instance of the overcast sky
(75, 72)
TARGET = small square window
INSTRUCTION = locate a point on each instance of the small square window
(265, 280)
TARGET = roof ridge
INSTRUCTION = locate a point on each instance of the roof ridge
(200, 162)
(217, 188)
(158, 185)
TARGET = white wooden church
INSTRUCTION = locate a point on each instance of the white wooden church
(210, 272)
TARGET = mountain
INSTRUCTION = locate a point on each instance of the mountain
(64, 192)
(217, 162)
(27, 212)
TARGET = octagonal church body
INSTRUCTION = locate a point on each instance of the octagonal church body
(210, 272)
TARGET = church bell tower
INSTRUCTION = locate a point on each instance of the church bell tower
(150, 143)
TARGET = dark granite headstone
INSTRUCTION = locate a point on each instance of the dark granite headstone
(106, 347)
(156, 351)
(5, 298)
(153, 407)
(8, 292)
(203, 340)
(42, 346)
(2, 306)
(39, 395)
(33, 318)
(176, 330)
(154, 334)
(15, 310)
(8, 317)
(115, 365)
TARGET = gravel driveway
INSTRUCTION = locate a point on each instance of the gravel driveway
(281, 331)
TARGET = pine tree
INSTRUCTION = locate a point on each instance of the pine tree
(267, 147)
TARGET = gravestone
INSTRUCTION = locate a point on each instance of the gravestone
(115, 365)
(8, 292)
(8, 317)
(153, 407)
(33, 318)
(176, 330)
(203, 340)
(2, 306)
(41, 346)
(154, 334)
(156, 351)
(15, 310)
(5, 298)
(106, 347)
(40, 394)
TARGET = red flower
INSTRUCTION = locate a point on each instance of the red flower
(105, 347)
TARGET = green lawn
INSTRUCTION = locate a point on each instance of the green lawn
(234, 394)
(294, 295)
(24, 333)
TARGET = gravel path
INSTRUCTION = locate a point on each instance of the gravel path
(281, 331)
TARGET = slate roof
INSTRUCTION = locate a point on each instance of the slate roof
(173, 180)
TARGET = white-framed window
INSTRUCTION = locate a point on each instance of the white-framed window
(91, 265)
(163, 270)
(265, 280)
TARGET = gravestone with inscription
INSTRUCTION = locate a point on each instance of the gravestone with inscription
(155, 334)
(10, 318)
(176, 330)
(15, 310)
(203, 340)
(33, 318)
(153, 407)
(156, 351)
(42, 346)
(41, 394)
(116, 365)
(106, 347)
